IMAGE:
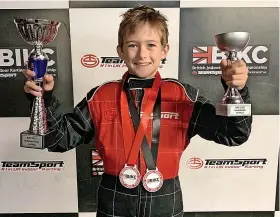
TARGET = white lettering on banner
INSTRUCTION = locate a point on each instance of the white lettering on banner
(8, 59)
(255, 54)
(18, 59)
(217, 55)
(165, 115)
(243, 54)
(49, 51)
(10, 75)
(206, 60)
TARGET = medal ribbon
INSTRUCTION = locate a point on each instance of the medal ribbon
(150, 99)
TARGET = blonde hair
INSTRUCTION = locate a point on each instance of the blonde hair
(143, 14)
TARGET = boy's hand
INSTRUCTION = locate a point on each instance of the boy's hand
(235, 74)
(31, 87)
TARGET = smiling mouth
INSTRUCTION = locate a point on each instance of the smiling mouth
(142, 64)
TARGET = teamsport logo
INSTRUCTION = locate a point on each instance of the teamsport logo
(93, 61)
(112, 114)
(254, 163)
(97, 163)
(13, 60)
(206, 59)
(164, 115)
(31, 166)
(195, 163)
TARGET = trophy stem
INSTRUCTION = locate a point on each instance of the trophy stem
(38, 123)
(38, 48)
(232, 56)
(232, 96)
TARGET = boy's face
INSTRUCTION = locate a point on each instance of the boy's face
(142, 51)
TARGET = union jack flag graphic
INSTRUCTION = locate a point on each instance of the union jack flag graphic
(97, 164)
(202, 55)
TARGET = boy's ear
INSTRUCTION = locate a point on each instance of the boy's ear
(120, 52)
(165, 51)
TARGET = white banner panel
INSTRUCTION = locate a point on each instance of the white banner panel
(87, 214)
(93, 45)
(33, 4)
(220, 178)
(38, 185)
(228, 3)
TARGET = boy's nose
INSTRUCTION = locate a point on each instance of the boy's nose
(143, 52)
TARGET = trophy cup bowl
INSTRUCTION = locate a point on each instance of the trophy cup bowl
(232, 41)
(37, 32)
(232, 103)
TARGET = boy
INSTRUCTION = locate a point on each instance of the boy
(141, 156)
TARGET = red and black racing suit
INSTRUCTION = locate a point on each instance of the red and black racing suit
(184, 114)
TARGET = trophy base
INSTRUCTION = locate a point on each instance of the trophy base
(233, 109)
(35, 141)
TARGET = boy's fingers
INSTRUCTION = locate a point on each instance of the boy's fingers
(31, 85)
(28, 74)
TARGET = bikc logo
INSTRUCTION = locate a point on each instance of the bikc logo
(13, 60)
(131, 177)
(93, 61)
(206, 59)
(198, 163)
(153, 180)
(212, 55)
(18, 56)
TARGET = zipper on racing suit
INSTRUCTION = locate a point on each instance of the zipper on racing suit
(139, 93)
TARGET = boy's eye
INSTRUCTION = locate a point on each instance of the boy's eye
(151, 45)
(132, 45)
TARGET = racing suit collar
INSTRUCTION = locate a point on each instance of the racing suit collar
(134, 82)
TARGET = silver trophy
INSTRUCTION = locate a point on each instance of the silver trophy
(37, 32)
(232, 103)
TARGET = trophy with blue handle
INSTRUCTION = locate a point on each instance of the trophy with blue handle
(37, 32)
